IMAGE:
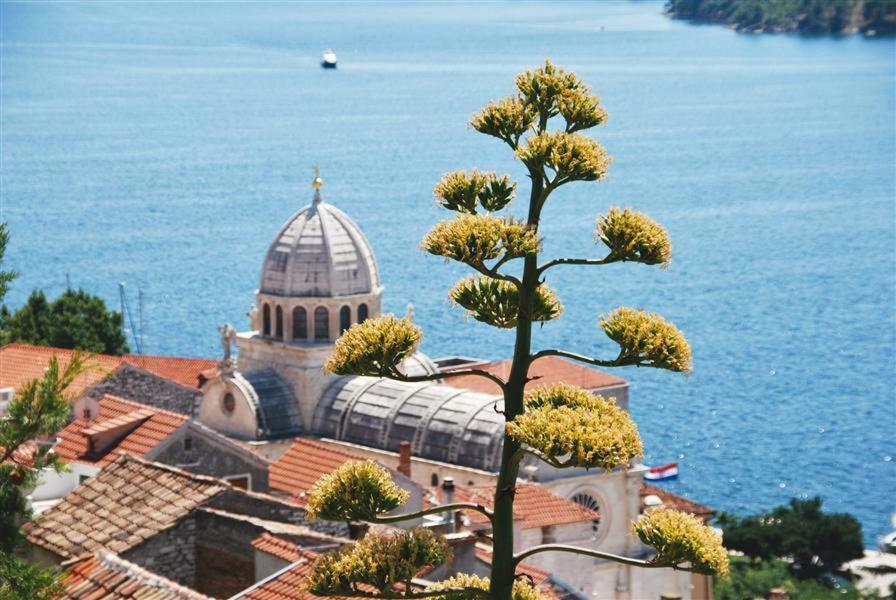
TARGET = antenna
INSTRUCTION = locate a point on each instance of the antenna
(140, 322)
(127, 320)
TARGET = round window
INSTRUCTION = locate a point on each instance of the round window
(586, 500)
(228, 403)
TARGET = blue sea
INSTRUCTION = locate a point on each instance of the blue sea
(163, 144)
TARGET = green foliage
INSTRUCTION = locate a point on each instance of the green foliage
(375, 347)
(634, 237)
(379, 561)
(463, 192)
(475, 239)
(20, 580)
(811, 16)
(571, 156)
(75, 320)
(40, 407)
(647, 339)
(356, 491)
(680, 538)
(571, 427)
(749, 579)
(816, 541)
(6, 277)
(496, 302)
(522, 590)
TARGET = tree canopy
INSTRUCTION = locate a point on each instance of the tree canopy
(76, 320)
(816, 541)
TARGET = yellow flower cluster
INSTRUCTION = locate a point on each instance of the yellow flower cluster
(633, 236)
(462, 192)
(496, 302)
(375, 347)
(378, 560)
(647, 339)
(506, 119)
(475, 239)
(572, 156)
(356, 491)
(682, 538)
(551, 90)
(572, 427)
(522, 590)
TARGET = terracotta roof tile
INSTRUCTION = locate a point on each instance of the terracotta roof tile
(675, 501)
(535, 505)
(105, 575)
(128, 501)
(140, 428)
(546, 370)
(282, 549)
(20, 363)
(304, 463)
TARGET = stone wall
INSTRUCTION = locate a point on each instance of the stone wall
(271, 509)
(208, 455)
(139, 385)
(170, 553)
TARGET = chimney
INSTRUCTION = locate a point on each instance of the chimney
(404, 459)
(448, 498)
(778, 594)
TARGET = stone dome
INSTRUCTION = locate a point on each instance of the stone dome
(319, 252)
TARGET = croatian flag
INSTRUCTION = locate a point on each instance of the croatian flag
(669, 471)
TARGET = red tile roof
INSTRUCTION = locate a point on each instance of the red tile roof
(545, 371)
(282, 549)
(20, 363)
(534, 505)
(184, 371)
(126, 503)
(105, 576)
(304, 463)
(677, 502)
(121, 426)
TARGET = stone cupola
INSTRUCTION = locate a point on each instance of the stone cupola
(318, 278)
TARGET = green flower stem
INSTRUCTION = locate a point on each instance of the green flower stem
(617, 362)
(493, 272)
(465, 590)
(578, 261)
(636, 562)
(436, 376)
(431, 511)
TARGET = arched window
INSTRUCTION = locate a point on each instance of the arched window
(345, 318)
(299, 323)
(434, 479)
(321, 323)
(279, 329)
(266, 320)
(362, 313)
(586, 500)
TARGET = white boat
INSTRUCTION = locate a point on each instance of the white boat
(328, 59)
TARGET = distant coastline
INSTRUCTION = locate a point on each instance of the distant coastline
(833, 17)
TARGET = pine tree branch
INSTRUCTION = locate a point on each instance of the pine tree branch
(431, 511)
(636, 562)
(398, 376)
(578, 261)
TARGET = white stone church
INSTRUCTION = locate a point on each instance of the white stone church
(319, 276)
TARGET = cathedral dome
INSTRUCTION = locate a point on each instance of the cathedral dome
(319, 252)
